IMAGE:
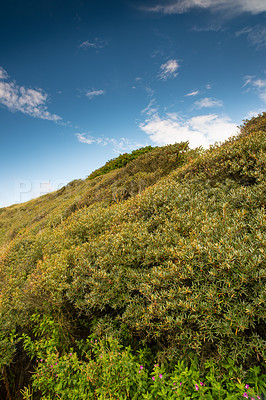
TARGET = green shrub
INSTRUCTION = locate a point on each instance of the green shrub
(103, 369)
(255, 124)
(121, 161)
(178, 267)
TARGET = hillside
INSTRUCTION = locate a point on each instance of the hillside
(128, 175)
(165, 250)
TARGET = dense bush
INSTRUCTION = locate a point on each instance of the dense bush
(52, 209)
(121, 161)
(255, 124)
(178, 267)
(103, 369)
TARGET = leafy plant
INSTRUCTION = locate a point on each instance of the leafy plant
(121, 161)
(166, 253)
(109, 371)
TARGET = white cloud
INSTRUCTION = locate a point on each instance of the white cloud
(28, 101)
(231, 6)
(92, 93)
(208, 102)
(151, 108)
(169, 70)
(255, 35)
(254, 113)
(88, 139)
(199, 131)
(193, 93)
(95, 44)
(123, 145)
(119, 145)
(258, 85)
(3, 73)
(248, 80)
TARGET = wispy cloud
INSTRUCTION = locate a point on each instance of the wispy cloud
(248, 79)
(254, 113)
(192, 93)
(208, 28)
(259, 83)
(256, 84)
(199, 130)
(169, 70)
(151, 108)
(26, 100)
(119, 145)
(97, 43)
(88, 139)
(231, 7)
(3, 73)
(208, 102)
(256, 35)
(93, 93)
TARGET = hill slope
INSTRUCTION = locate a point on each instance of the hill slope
(119, 179)
(168, 250)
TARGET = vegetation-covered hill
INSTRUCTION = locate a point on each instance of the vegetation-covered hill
(164, 250)
(108, 185)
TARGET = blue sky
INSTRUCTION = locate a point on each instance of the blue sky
(83, 81)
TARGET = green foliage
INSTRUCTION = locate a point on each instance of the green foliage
(167, 252)
(48, 336)
(255, 124)
(7, 347)
(103, 369)
(54, 208)
(121, 161)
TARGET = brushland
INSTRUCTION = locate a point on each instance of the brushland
(144, 281)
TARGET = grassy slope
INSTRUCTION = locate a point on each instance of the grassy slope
(173, 258)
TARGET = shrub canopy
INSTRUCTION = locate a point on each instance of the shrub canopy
(167, 251)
